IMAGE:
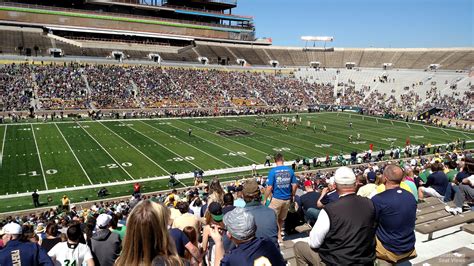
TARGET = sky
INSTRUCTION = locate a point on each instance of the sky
(364, 23)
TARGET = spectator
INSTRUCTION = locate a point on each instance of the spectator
(105, 244)
(72, 252)
(248, 250)
(328, 194)
(216, 193)
(186, 218)
(228, 203)
(239, 201)
(51, 238)
(309, 203)
(463, 190)
(265, 218)
(16, 252)
(213, 217)
(192, 235)
(395, 212)
(368, 188)
(147, 237)
(282, 184)
(436, 184)
(345, 230)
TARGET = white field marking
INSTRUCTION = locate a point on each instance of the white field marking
(190, 145)
(100, 145)
(180, 176)
(313, 115)
(257, 150)
(83, 170)
(3, 145)
(228, 116)
(131, 145)
(39, 157)
(445, 132)
(405, 124)
(289, 136)
(161, 145)
(448, 129)
(429, 131)
(465, 135)
(266, 144)
(391, 122)
(377, 120)
(212, 142)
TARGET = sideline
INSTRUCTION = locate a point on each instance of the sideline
(180, 176)
(86, 204)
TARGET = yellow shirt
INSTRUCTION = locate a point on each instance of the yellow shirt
(381, 188)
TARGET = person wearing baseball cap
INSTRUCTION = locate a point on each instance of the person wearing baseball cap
(265, 218)
(249, 249)
(105, 244)
(309, 203)
(370, 187)
(344, 233)
(16, 252)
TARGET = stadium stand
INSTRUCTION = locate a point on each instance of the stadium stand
(120, 213)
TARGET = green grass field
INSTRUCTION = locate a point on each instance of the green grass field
(51, 156)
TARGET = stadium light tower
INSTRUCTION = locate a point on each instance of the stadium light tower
(315, 39)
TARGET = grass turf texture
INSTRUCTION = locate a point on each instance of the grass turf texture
(54, 155)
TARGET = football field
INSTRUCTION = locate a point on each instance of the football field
(61, 155)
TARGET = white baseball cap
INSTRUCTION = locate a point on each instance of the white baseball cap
(103, 220)
(344, 176)
(11, 229)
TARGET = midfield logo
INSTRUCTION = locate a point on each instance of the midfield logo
(234, 133)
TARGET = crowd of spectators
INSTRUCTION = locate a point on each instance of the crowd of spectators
(72, 86)
(357, 214)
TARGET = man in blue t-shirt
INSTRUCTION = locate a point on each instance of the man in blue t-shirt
(249, 249)
(282, 184)
(395, 213)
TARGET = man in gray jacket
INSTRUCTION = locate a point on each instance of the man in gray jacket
(105, 244)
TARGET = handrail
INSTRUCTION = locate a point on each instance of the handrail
(117, 14)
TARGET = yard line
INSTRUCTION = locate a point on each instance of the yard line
(391, 122)
(83, 170)
(100, 145)
(465, 135)
(429, 131)
(405, 124)
(3, 145)
(131, 145)
(266, 144)
(377, 120)
(445, 132)
(189, 145)
(163, 146)
(39, 157)
(257, 150)
(214, 142)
